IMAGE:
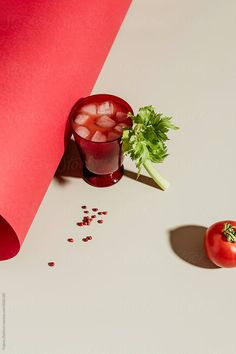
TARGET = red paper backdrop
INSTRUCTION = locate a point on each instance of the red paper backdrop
(51, 53)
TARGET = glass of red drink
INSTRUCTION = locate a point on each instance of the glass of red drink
(97, 123)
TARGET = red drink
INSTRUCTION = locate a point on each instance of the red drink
(98, 122)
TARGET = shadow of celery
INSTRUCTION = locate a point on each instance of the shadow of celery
(142, 179)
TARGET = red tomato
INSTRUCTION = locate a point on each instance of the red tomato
(221, 251)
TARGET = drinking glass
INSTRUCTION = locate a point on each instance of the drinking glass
(102, 161)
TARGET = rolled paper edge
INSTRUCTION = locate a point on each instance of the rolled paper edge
(9, 241)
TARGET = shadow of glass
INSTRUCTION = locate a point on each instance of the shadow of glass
(142, 179)
(70, 165)
(188, 243)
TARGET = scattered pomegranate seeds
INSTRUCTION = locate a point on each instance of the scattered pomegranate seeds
(86, 221)
(86, 239)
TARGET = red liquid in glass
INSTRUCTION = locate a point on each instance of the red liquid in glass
(98, 122)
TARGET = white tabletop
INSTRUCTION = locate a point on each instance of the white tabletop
(143, 284)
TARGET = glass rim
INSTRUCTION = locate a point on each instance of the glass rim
(78, 103)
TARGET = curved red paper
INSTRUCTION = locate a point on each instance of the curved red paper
(51, 54)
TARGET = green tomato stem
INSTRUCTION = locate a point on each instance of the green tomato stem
(156, 176)
(229, 232)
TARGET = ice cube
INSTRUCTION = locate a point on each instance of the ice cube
(81, 118)
(90, 109)
(120, 127)
(99, 137)
(105, 108)
(105, 122)
(113, 136)
(82, 131)
(121, 116)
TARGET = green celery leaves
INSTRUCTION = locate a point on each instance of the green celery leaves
(145, 140)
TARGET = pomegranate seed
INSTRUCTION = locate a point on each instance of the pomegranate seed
(70, 239)
(95, 209)
(84, 223)
(100, 213)
(85, 239)
(93, 216)
(104, 212)
(79, 223)
(100, 221)
(86, 211)
(89, 237)
(51, 264)
(84, 207)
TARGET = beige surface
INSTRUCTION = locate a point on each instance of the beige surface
(131, 290)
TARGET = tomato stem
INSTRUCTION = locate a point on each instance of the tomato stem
(229, 232)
